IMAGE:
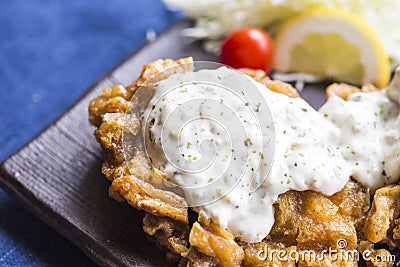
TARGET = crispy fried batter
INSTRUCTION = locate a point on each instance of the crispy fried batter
(124, 185)
(321, 224)
(369, 87)
(116, 98)
(169, 235)
(194, 258)
(225, 250)
(311, 221)
(375, 257)
(333, 260)
(264, 254)
(342, 90)
(129, 189)
(303, 220)
(274, 85)
(381, 223)
(353, 202)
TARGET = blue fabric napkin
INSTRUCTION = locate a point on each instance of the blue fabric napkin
(50, 53)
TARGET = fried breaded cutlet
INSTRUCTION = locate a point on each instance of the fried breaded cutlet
(304, 220)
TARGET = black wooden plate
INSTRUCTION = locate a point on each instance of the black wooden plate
(57, 175)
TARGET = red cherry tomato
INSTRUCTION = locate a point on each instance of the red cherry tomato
(248, 48)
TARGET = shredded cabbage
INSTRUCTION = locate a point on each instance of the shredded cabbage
(216, 18)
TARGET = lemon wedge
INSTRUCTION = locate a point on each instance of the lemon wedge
(331, 43)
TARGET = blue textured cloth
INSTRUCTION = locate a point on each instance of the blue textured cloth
(50, 53)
